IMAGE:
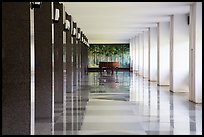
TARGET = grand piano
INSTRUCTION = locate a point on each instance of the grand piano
(109, 66)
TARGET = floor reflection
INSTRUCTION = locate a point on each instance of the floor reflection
(126, 104)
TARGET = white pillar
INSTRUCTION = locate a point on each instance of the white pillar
(179, 53)
(131, 55)
(134, 54)
(149, 54)
(137, 52)
(163, 68)
(195, 85)
(153, 55)
(141, 43)
(145, 55)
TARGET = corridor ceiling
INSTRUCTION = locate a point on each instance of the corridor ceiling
(117, 22)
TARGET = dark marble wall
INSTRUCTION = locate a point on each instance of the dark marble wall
(16, 68)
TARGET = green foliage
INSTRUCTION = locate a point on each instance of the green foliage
(99, 52)
(107, 50)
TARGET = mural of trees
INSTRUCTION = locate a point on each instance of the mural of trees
(109, 53)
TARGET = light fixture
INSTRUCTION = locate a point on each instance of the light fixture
(74, 32)
(35, 4)
(67, 25)
(79, 35)
(57, 15)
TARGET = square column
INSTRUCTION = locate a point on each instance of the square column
(145, 55)
(58, 66)
(43, 68)
(75, 77)
(69, 56)
(153, 54)
(134, 54)
(195, 82)
(163, 70)
(69, 75)
(58, 56)
(141, 52)
(179, 53)
(137, 61)
(131, 55)
(79, 53)
(16, 69)
(75, 55)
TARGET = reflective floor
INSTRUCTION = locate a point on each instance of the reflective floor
(124, 104)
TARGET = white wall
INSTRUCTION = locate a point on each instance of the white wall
(153, 54)
(180, 53)
(146, 59)
(195, 53)
(163, 53)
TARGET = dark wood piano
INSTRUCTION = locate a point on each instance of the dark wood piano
(109, 66)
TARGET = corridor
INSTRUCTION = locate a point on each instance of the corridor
(102, 68)
(127, 104)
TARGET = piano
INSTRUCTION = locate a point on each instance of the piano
(109, 66)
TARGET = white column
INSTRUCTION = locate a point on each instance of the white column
(163, 70)
(153, 55)
(145, 55)
(134, 54)
(137, 52)
(195, 85)
(179, 53)
(149, 54)
(141, 43)
(131, 57)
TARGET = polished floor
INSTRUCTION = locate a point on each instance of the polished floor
(124, 104)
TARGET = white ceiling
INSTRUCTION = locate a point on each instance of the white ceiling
(117, 22)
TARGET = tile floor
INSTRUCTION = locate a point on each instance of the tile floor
(125, 104)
